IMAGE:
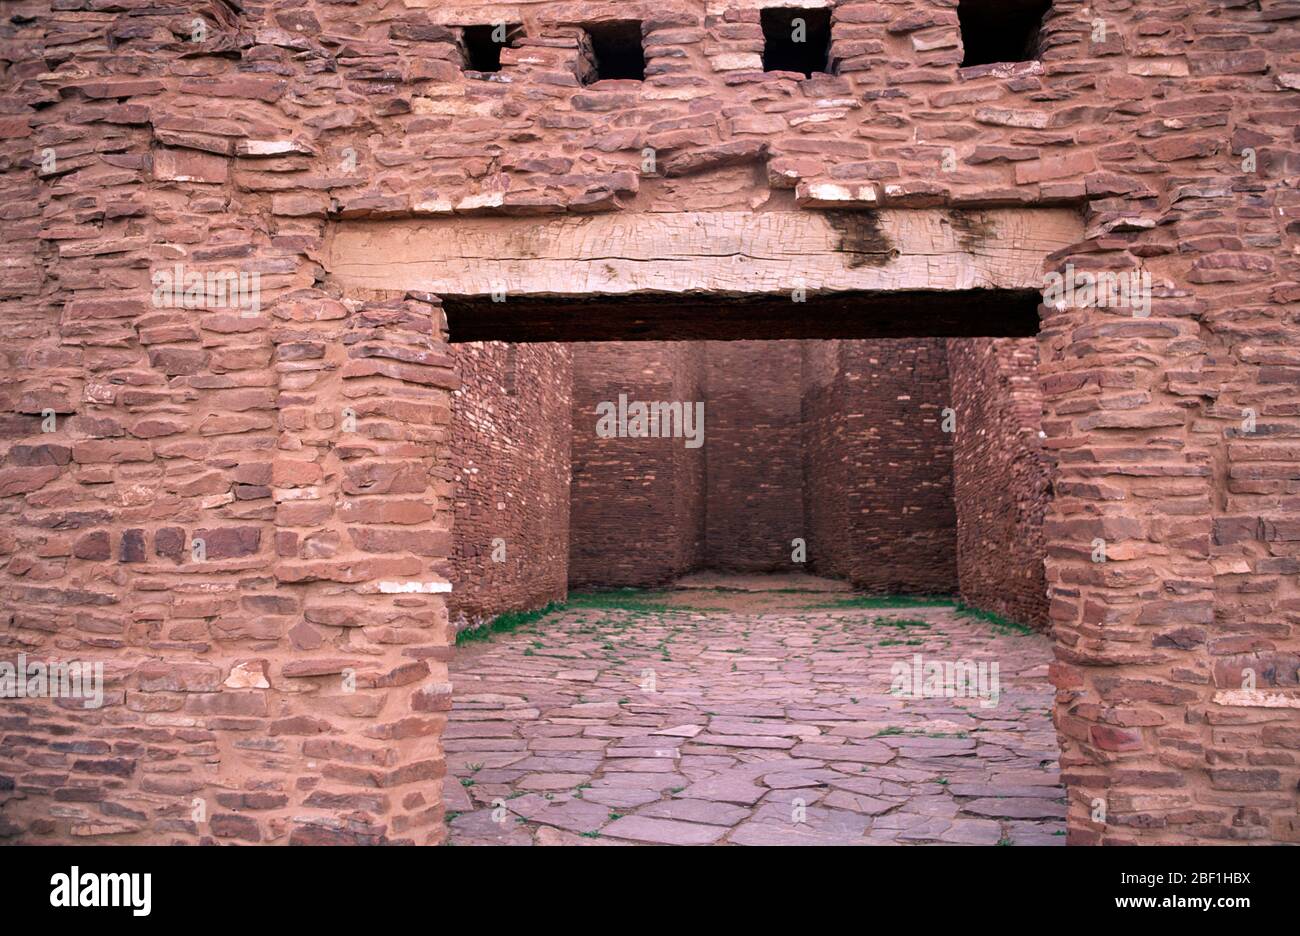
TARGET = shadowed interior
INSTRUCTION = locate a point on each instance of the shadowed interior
(968, 313)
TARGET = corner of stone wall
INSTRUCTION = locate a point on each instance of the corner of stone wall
(510, 454)
(363, 542)
(1001, 476)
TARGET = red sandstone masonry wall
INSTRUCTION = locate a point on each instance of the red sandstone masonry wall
(753, 454)
(876, 481)
(510, 442)
(1001, 476)
(264, 684)
(878, 466)
(690, 466)
(1173, 130)
(637, 511)
(826, 478)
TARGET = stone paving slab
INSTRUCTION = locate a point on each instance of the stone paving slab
(744, 727)
(663, 831)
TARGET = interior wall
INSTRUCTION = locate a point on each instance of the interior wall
(637, 510)
(835, 442)
(1001, 476)
(878, 464)
(826, 471)
(510, 460)
(754, 454)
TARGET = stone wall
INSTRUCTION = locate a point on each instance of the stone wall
(240, 522)
(826, 474)
(753, 454)
(510, 453)
(637, 512)
(1001, 476)
(879, 466)
(834, 442)
(129, 143)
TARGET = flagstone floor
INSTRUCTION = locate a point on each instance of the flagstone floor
(749, 712)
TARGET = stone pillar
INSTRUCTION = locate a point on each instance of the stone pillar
(1132, 590)
(363, 541)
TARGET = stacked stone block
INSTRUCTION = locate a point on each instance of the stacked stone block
(130, 140)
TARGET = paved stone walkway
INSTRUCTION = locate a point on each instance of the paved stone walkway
(768, 721)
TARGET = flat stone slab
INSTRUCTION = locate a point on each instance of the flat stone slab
(689, 810)
(856, 802)
(681, 731)
(791, 779)
(768, 833)
(865, 753)
(663, 831)
(751, 742)
(1016, 808)
(972, 832)
(551, 781)
(726, 788)
(546, 835)
(621, 797)
(574, 815)
(481, 828)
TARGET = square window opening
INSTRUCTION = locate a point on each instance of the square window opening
(481, 45)
(796, 40)
(997, 31)
(616, 52)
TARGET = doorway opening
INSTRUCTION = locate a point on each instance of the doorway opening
(747, 524)
(744, 620)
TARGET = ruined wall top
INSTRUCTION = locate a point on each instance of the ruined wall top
(375, 109)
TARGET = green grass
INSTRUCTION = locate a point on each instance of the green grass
(901, 623)
(727, 590)
(621, 599)
(636, 600)
(892, 601)
(1005, 625)
(505, 623)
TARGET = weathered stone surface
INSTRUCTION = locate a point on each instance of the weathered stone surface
(125, 152)
(510, 436)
